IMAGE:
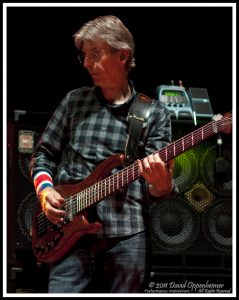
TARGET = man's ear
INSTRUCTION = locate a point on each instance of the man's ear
(124, 55)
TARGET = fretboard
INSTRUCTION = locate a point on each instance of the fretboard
(115, 182)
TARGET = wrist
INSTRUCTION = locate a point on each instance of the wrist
(153, 191)
(43, 195)
(42, 180)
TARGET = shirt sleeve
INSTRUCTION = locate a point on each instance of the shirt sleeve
(159, 135)
(47, 154)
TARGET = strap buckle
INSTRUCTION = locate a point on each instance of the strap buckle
(137, 118)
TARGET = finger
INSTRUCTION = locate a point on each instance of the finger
(55, 217)
(55, 199)
(143, 171)
(55, 212)
(151, 159)
(140, 166)
(157, 165)
(158, 160)
(55, 221)
(147, 163)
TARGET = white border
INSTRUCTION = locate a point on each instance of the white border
(119, 4)
(5, 5)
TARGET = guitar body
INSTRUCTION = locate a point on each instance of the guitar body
(51, 242)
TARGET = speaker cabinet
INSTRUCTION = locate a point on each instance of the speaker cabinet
(24, 131)
(196, 224)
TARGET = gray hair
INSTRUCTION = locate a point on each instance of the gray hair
(110, 30)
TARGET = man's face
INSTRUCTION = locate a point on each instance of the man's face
(103, 65)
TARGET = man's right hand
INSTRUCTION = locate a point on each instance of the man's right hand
(51, 203)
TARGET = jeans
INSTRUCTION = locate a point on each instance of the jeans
(114, 265)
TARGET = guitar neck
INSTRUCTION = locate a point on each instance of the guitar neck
(111, 184)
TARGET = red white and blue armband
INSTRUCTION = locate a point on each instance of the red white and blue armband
(42, 180)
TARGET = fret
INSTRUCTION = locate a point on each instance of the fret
(114, 182)
(123, 178)
(214, 127)
(108, 186)
(90, 192)
(115, 185)
(132, 172)
(166, 154)
(112, 188)
(93, 194)
(86, 198)
(100, 190)
(177, 147)
(117, 180)
(187, 143)
(78, 202)
(108, 179)
(192, 140)
(93, 199)
(71, 208)
(96, 194)
(74, 206)
(105, 188)
(136, 170)
(81, 197)
(170, 151)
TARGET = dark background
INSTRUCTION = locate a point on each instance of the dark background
(192, 44)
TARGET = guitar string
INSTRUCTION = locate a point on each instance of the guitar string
(134, 167)
(132, 171)
(116, 184)
(91, 190)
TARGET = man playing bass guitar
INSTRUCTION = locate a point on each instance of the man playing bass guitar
(83, 143)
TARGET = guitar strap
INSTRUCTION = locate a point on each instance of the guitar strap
(138, 114)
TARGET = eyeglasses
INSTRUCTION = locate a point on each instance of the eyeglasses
(93, 56)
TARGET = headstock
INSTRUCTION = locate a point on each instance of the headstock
(224, 123)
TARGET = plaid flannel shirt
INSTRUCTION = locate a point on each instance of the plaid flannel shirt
(84, 131)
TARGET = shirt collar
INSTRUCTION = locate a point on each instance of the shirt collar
(116, 106)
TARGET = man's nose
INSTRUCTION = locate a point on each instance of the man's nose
(88, 62)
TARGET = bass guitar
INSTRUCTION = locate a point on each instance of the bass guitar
(51, 242)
